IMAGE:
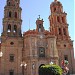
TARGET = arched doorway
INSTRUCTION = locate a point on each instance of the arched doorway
(39, 69)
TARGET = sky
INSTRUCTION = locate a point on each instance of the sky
(32, 8)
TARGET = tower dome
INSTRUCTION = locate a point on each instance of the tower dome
(56, 6)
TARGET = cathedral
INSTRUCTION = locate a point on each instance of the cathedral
(23, 54)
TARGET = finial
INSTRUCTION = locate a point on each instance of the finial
(39, 16)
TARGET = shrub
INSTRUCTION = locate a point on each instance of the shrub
(50, 70)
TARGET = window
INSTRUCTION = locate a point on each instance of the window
(8, 3)
(58, 19)
(41, 52)
(64, 45)
(64, 31)
(39, 27)
(11, 72)
(15, 28)
(54, 9)
(66, 57)
(9, 28)
(10, 14)
(12, 43)
(15, 14)
(11, 57)
(63, 20)
(59, 31)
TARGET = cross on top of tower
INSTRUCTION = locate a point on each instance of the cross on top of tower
(39, 16)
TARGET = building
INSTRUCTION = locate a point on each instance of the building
(36, 47)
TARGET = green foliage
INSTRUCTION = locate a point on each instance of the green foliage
(50, 70)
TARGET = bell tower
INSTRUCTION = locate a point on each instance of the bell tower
(58, 22)
(11, 39)
(12, 18)
(59, 28)
(39, 25)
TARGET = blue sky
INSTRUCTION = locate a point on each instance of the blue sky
(32, 8)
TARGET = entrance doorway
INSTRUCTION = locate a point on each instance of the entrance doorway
(40, 69)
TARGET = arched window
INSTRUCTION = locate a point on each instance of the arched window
(11, 72)
(9, 28)
(63, 20)
(15, 28)
(58, 19)
(39, 28)
(54, 9)
(15, 14)
(59, 31)
(66, 57)
(64, 31)
(9, 13)
(8, 3)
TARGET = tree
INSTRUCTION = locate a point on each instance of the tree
(50, 70)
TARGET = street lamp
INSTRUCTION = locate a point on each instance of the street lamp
(23, 65)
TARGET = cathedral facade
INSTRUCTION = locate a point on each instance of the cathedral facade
(24, 54)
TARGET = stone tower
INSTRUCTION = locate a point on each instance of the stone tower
(12, 18)
(11, 39)
(39, 25)
(59, 28)
(58, 22)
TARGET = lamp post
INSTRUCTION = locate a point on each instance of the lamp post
(23, 65)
